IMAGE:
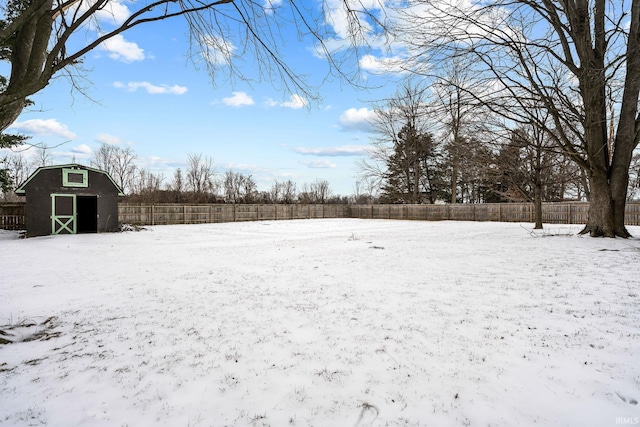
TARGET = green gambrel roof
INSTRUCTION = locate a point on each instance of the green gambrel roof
(21, 190)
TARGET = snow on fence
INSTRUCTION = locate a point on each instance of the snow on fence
(12, 215)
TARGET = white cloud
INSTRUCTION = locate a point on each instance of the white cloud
(44, 127)
(105, 138)
(344, 150)
(160, 161)
(357, 119)
(295, 102)
(238, 99)
(122, 50)
(269, 5)
(245, 168)
(82, 150)
(151, 88)
(383, 65)
(339, 17)
(114, 13)
(319, 164)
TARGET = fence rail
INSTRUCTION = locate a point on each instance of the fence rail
(12, 215)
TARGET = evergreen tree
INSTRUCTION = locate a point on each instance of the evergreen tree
(414, 173)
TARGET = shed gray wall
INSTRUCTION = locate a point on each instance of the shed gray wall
(49, 181)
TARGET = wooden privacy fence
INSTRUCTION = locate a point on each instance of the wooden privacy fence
(552, 213)
(11, 222)
(210, 213)
(12, 215)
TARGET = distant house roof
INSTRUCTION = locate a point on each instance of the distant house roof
(21, 189)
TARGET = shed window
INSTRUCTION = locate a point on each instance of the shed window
(74, 178)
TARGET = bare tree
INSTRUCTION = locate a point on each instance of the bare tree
(232, 187)
(320, 190)
(288, 192)
(239, 188)
(200, 174)
(118, 162)
(146, 184)
(17, 170)
(249, 189)
(177, 184)
(365, 191)
(461, 118)
(283, 192)
(42, 156)
(275, 193)
(529, 169)
(574, 59)
(44, 38)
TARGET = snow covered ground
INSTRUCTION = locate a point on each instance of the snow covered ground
(321, 323)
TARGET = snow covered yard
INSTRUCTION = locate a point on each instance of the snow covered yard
(321, 323)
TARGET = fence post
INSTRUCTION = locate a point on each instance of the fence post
(569, 220)
(153, 215)
(531, 218)
(234, 212)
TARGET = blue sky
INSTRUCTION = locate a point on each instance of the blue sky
(142, 91)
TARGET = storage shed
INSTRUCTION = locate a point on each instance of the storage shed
(70, 199)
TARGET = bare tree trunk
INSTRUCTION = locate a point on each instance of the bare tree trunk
(628, 132)
(619, 187)
(537, 185)
(454, 184)
(537, 209)
(601, 208)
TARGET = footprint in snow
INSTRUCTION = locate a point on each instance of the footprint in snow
(628, 399)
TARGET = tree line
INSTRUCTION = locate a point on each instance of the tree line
(432, 144)
(198, 182)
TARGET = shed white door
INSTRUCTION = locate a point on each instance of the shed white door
(63, 214)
